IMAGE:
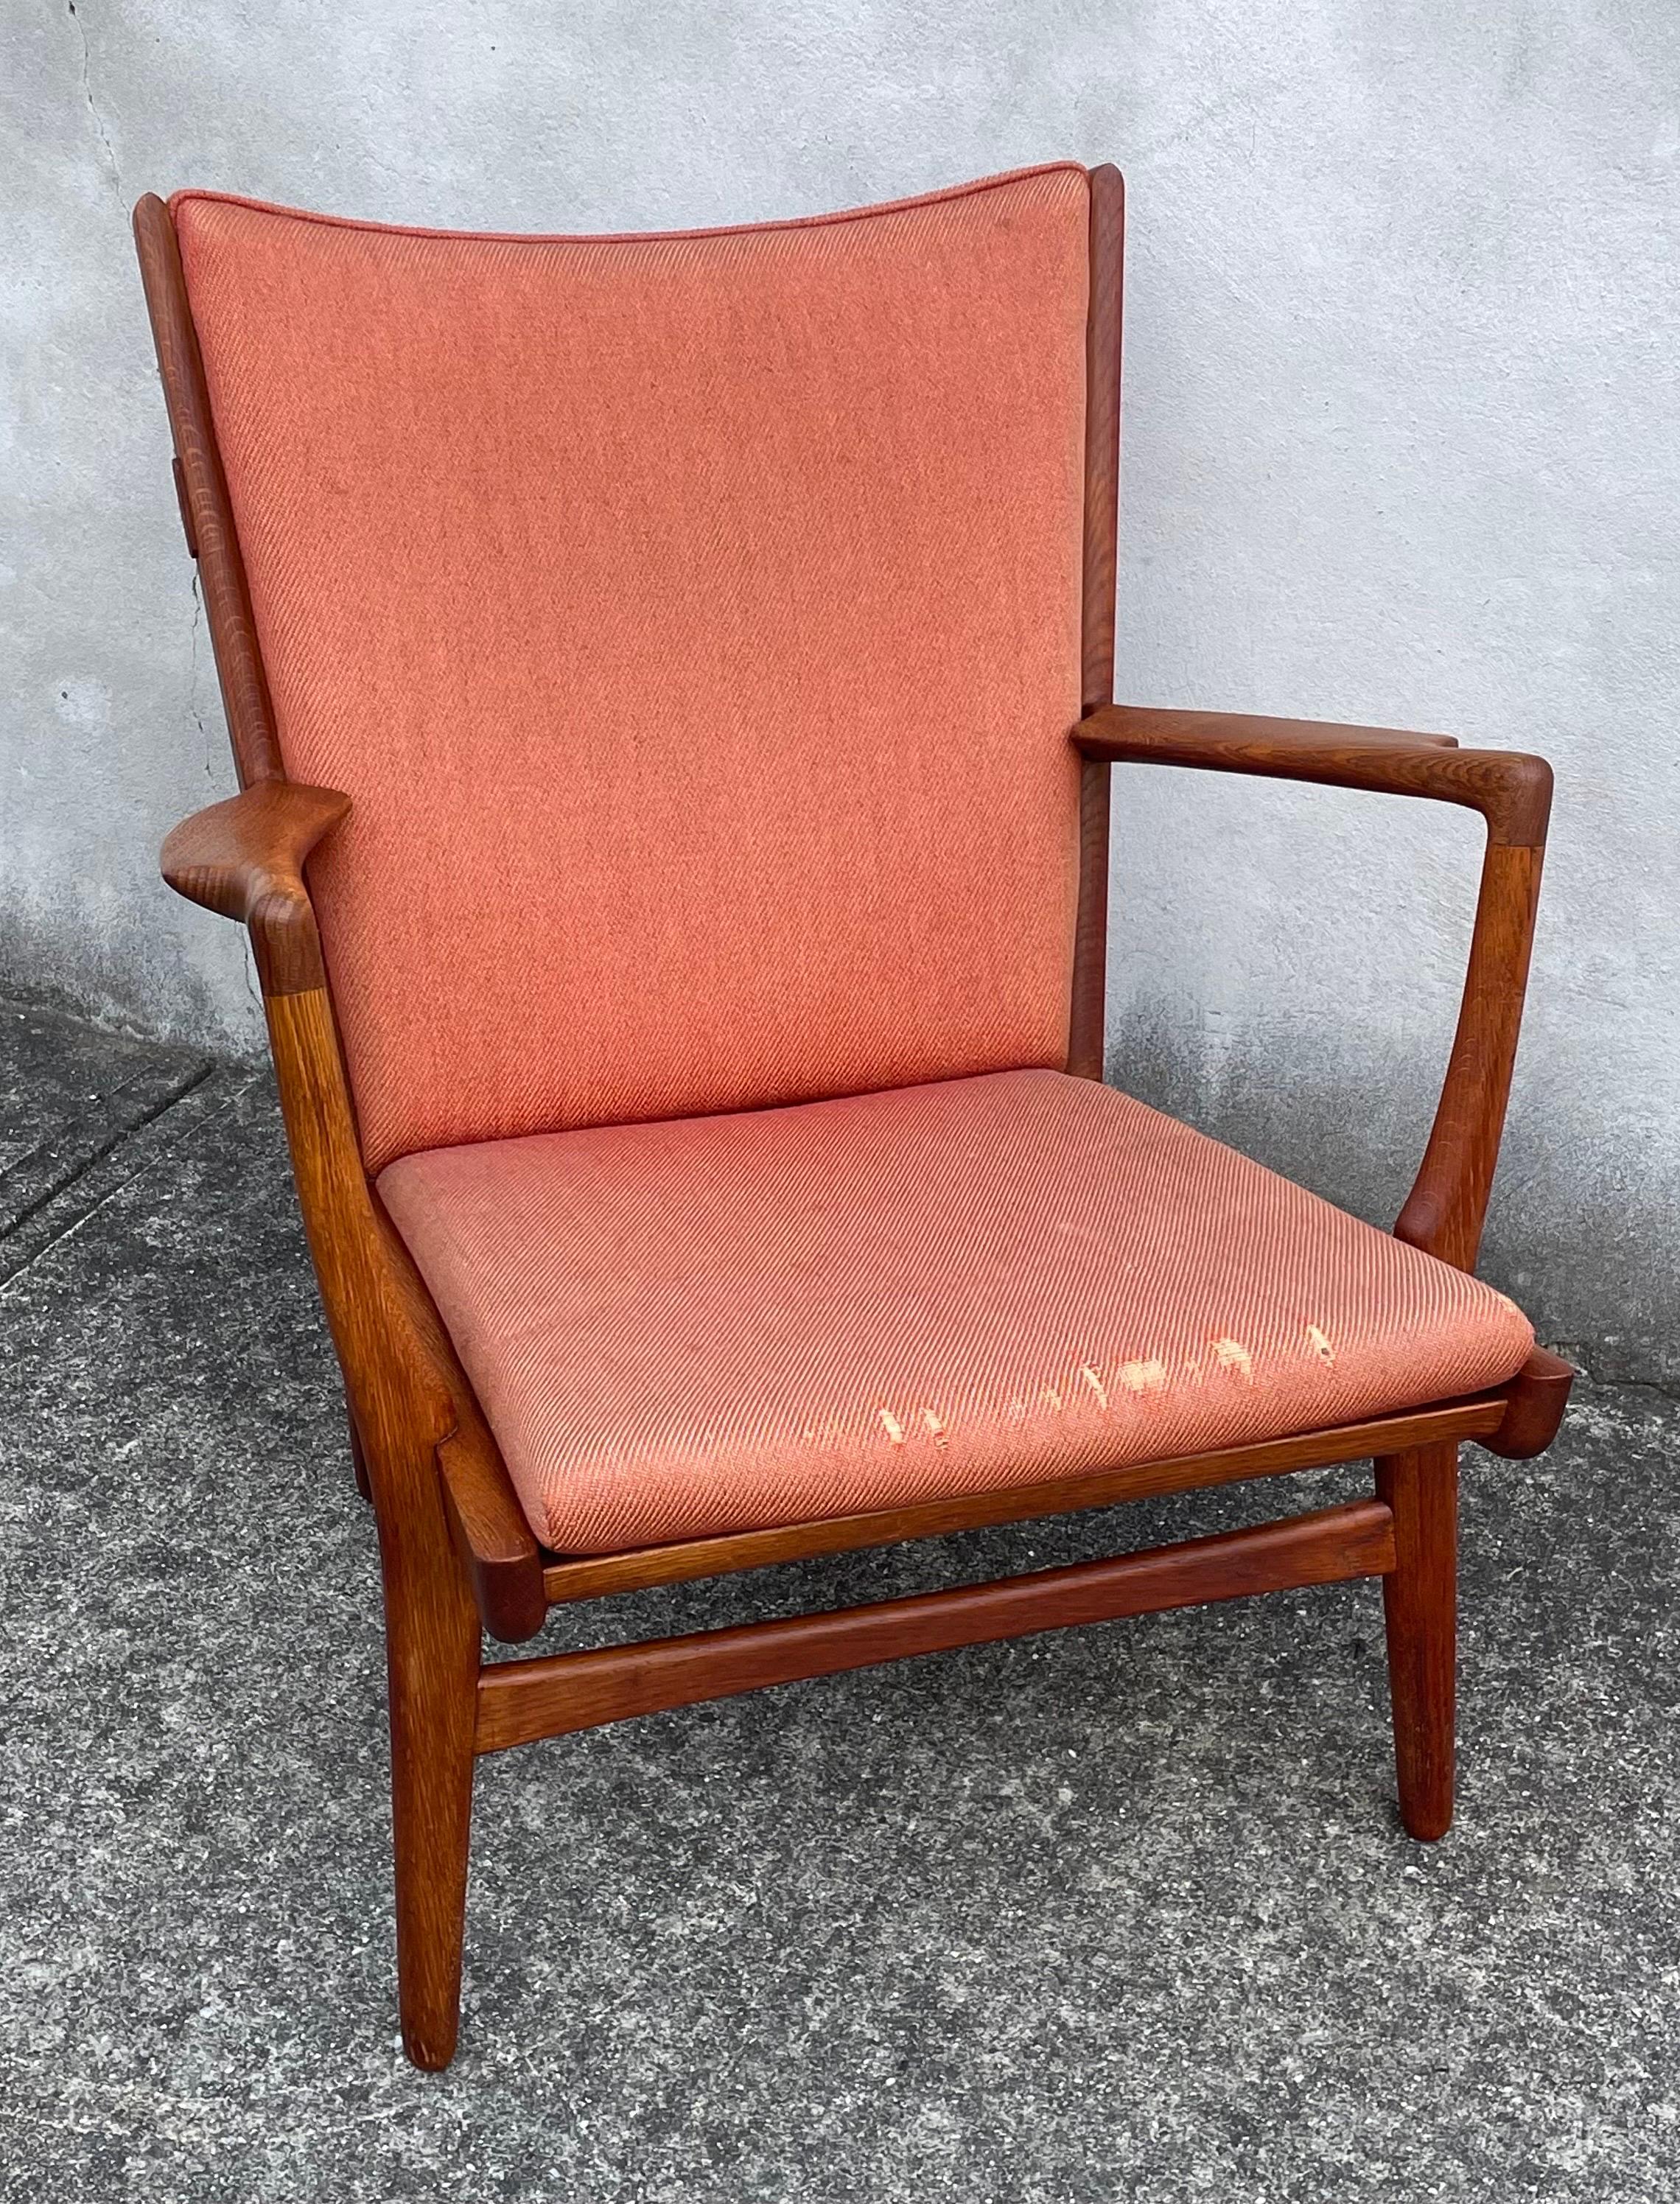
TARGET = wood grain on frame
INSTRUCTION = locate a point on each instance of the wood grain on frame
(519, 1701)
(1101, 514)
(206, 511)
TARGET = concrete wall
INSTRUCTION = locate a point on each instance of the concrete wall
(1402, 444)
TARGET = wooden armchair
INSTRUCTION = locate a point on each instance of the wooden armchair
(670, 681)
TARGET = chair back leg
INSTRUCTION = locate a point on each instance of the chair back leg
(1420, 1609)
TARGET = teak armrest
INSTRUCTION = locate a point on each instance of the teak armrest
(1444, 1211)
(245, 858)
(1510, 790)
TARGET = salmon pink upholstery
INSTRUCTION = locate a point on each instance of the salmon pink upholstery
(693, 620)
(736, 1321)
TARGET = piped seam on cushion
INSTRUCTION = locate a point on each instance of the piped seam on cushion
(178, 199)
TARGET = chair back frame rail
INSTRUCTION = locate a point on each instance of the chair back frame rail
(458, 1558)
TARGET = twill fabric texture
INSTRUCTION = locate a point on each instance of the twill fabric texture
(694, 621)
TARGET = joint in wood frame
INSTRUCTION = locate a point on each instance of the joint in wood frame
(502, 1558)
(1535, 1403)
(520, 1701)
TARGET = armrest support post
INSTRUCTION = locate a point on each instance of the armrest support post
(1444, 1211)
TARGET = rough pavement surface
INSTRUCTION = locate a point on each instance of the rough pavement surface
(1125, 1913)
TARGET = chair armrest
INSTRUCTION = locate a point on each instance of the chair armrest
(1444, 1211)
(1510, 790)
(430, 1454)
(245, 858)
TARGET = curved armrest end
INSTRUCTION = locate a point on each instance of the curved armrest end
(245, 859)
(1518, 805)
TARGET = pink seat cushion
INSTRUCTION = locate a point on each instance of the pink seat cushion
(721, 1323)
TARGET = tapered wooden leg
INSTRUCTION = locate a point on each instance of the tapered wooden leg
(433, 1652)
(1420, 1608)
(401, 1408)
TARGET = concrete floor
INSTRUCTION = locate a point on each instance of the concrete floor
(1121, 1914)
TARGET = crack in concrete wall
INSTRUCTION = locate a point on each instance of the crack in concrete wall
(103, 135)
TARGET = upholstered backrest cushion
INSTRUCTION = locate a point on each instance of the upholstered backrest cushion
(694, 621)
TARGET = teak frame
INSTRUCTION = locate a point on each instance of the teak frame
(458, 1558)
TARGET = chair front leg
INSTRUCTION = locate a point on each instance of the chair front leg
(432, 1656)
(1420, 1610)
